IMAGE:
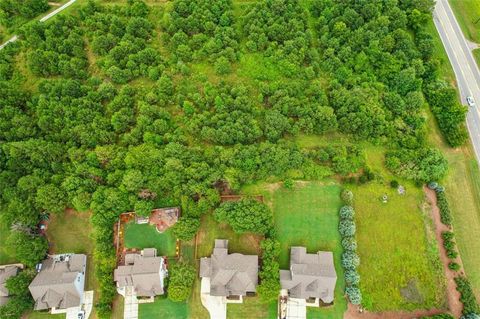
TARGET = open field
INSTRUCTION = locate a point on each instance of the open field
(396, 249)
(463, 180)
(163, 308)
(146, 236)
(467, 13)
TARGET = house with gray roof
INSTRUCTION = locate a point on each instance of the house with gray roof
(311, 276)
(231, 275)
(6, 272)
(59, 283)
(143, 273)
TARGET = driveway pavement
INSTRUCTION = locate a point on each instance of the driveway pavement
(216, 306)
(88, 303)
(130, 309)
(296, 308)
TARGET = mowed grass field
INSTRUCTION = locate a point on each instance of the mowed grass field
(163, 308)
(307, 215)
(467, 13)
(146, 236)
(396, 247)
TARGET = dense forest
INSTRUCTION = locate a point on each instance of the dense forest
(103, 109)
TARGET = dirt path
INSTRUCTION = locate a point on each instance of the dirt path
(453, 296)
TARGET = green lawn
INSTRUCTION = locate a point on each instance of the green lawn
(146, 236)
(308, 216)
(252, 305)
(163, 308)
(6, 256)
(396, 247)
(467, 13)
(44, 315)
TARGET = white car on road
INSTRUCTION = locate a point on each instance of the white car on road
(470, 101)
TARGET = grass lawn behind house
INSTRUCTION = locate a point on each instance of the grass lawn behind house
(395, 249)
(308, 216)
(146, 236)
(163, 308)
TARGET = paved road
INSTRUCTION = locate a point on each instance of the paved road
(464, 66)
(45, 18)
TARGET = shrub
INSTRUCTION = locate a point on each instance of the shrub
(394, 184)
(350, 260)
(347, 227)
(433, 185)
(347, 197)
(349, 243)
(354, 295)
(347, 212)
(442, 203)
(222, 66)
(186, 228)
(467, 297)
(246, 215)
(181, 281)
(454, 266)
(352, 278)
(449, 244)
(470, 316)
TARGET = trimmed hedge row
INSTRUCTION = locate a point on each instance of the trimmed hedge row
(449, 244)
(350, 259)
(442, 203)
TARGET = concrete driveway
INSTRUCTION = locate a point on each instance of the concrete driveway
(130, 309)
(216, 306)
(296, 308)
(88, 303)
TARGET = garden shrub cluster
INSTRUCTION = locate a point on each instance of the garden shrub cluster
(270, 272)
(449, 244)
(470, 304)
(350, 259)
(180, 281)
(442, 203)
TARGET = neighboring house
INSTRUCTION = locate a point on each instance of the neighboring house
(230, 275)
(6, 272)
(144, 272)
(59, 284)
(311, 276)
